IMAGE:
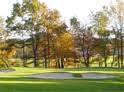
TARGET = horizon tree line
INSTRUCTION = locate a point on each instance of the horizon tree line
(51, 43)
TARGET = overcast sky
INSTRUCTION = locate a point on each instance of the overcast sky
(67, 8)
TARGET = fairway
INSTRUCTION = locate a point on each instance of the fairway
(62, 46)
(18, 82)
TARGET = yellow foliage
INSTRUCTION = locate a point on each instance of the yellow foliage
(65, 42)
(2, 64)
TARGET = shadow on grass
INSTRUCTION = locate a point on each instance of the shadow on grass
(24, 84)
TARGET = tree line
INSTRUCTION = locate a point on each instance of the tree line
(49, 42)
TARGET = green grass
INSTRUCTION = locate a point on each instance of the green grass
(18, 82)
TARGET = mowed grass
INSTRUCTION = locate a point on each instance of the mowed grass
(18, 82)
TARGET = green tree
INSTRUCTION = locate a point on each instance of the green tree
(116, 16)
(33, 17)
(100, 23)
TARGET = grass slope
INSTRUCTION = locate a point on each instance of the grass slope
(17, 82)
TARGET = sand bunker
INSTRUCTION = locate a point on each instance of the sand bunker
(53, 76)
(96, 76)
(6, 70)
(70, 76)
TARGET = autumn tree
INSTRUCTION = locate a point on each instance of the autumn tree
(33, 17)
(7, 50)
(83, 39)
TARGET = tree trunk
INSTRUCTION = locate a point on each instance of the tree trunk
(88, 58)
(114, 51)
(113, 56)
(35, 57)
(48, 49)
(45, 58)
(118, 54)
(105, 57)
(23, 54)
(58, 63)
(121, 51)
(34, 51)
(62, 62)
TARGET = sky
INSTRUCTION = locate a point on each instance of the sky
(67, 8)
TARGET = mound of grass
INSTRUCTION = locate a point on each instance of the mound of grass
(77, 75)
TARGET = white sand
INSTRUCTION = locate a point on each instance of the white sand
(96, 76)
(70, 76)
(6, 70)
(53, 76)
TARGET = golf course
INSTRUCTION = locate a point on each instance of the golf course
(18, 81)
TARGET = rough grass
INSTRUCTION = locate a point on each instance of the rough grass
(18, 82)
